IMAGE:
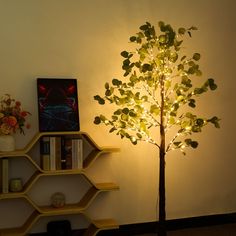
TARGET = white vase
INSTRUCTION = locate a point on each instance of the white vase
(7, 143)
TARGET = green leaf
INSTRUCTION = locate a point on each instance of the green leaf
(161, 24)
(99, 99)
(181, 30)
(191, 70)
(192, 103)
(212, 84)
(143, 27)
(132, 114)
(146, 67)
(126, 62)
(196, 129)
(215, 120)
(139, 135)
(199, 90)
(144, 98)
(198, 73)
(189, 115)
(191, 143)
(106, 85)
(138, 40)
(124, 117)
(116, 82)
(162, 39)
(118, 112)
(122, 124)
(112, 129)
(171, 120)
(154, 109)
(126, 73)
(133, 140)
(133, 39)
(97, 120)
(114, 118)
(196, 56)
(124, 54)
(186, 81)
(194, 144)
(188, 141)
(173, 57)
(180, 67)
(177, 144)
(200, 122)
(108, 92)
(103, 118)
(125, 111)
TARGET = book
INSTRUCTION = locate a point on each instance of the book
(45, 153)
(58, 152)
(63, 153)
(80, 154)
(50, 150)
(68, 152)
(5, 177)
(77, 153)
(52, 156)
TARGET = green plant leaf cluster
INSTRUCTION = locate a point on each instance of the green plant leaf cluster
(159, 80)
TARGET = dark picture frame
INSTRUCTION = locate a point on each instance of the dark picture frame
(58, 108)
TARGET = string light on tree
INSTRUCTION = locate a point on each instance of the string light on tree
(157, 83)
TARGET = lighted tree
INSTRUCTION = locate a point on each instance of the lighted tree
(160, 90)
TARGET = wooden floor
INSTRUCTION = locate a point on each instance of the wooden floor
(219, 230)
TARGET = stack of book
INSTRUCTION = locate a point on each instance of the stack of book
(61, 153)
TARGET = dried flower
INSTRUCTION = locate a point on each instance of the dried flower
(12, 117)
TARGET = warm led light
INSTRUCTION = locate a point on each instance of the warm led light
(133, 139)
(188, 128)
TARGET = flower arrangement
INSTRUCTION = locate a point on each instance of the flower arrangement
(12, 117)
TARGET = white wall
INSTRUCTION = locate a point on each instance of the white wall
(83, 39)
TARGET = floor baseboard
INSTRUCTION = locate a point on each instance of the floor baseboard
(171, 225)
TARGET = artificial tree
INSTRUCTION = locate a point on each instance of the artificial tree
(160, 83)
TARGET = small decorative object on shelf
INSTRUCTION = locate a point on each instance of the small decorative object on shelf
(12, 118)
(58, 200)
(16, 185)
(7, 143)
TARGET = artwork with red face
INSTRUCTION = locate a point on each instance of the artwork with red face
(58, 104)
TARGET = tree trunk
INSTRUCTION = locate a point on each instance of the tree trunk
(162, 198)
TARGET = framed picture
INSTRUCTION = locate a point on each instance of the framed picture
(58, 108)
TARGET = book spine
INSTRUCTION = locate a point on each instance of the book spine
(68, 152)
(5, 177)
(45, 153)
(74, 153)
(52, 153)
(58, 152)
(77, 153)
(80, 154)
(63, 154)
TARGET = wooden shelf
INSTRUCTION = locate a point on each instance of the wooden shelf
(99, 225)
(69, 209)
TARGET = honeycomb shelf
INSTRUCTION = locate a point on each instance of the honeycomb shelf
(77, 208)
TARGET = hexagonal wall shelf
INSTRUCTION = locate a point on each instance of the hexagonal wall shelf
(93, 189)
